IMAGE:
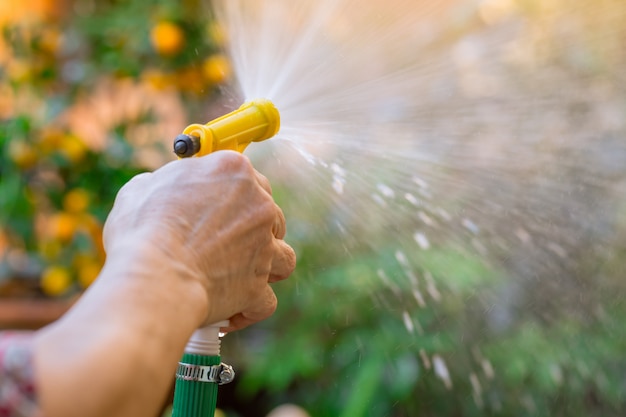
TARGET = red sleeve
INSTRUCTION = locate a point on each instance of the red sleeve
(17, 388)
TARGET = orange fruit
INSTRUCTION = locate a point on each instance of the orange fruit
(216, 69)
(19, 71)
(50, 139)
(167, 38)
(93, 228)
(88, 272)
(76, 200)
(158, 79)
(190, 79)
(55, 280)
(50, 249)
(73, 148)
(22, 154)
(62, 226)
(4, 242)
(51, 40)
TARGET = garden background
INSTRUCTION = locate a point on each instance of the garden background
(92, 93)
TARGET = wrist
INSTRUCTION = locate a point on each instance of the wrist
(156, 282)
(129, 328)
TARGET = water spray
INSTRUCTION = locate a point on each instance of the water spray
(200, 370)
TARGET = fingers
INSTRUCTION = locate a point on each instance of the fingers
(283, 264)
(262, 309)
(284, 261)
(237, 322)
(279, 229)
(263, 182)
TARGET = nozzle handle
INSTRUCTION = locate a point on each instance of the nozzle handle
(254, 121)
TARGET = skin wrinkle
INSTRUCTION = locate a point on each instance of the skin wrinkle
(258, 211)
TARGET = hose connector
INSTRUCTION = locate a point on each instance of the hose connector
(254, 121)
(219, 374)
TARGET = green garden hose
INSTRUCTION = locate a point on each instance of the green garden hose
(199, 373)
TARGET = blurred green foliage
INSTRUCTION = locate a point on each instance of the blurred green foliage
(345, 342)
(90, 92)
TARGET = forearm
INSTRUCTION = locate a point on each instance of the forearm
(196, 241)
(106, 358)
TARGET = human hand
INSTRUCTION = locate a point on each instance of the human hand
(212, 222)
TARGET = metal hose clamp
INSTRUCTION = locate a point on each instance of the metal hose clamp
(220, 374)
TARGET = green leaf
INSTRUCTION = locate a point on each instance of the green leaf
(364, 387)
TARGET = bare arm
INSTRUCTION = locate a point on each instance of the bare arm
(189, 244)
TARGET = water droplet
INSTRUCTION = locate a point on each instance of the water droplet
(338, 170)
(425, 194)
(425, 359)
(341, 227)
(426, 219)
(557, 249)
(478, 389)
(401, 258)
(307, 156)
(433, 291)
(441, 370)
(421, 240)
(411, 276)
(408, 323)
(412, 199)
(379, 200)
(420, 182)
(523, 235)
(487, 369)
(386, 191)
(431, 286)
(556, 373)
(419, 298)
(444, 214)
(470, 225)
(388, 283)
(338, 184)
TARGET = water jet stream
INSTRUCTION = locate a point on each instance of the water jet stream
(468, 124)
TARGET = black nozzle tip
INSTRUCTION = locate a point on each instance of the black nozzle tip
(186, 145)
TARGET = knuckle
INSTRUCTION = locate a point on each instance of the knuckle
(271, 302)
(265, 183)
(267, 211)
(292, 259)
(234, 162)
(133, 182)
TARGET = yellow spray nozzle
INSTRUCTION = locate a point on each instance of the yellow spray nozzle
(254, 121)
